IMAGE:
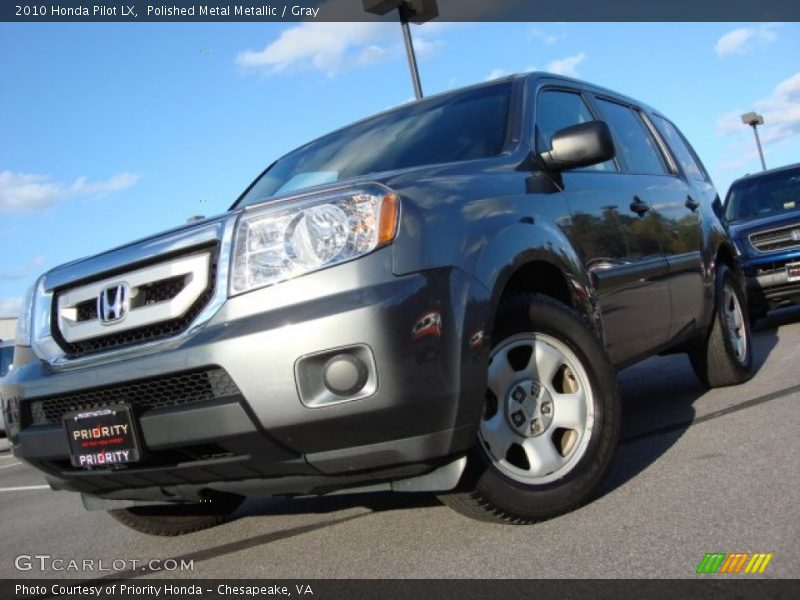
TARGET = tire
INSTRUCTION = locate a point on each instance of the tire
(725, 357)
(555, 459)
(177, 519)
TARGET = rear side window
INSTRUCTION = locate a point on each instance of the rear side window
(557, 109)
(683, 152)
(634, 143)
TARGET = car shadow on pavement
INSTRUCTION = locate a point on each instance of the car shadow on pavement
(258, 507)
(658, 398)
(778, 318)
(373, 502)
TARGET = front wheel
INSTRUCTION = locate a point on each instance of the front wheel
(550, 421)
(726, 355)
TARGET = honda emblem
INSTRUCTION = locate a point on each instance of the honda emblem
(113, 303)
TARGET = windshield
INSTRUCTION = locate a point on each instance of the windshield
(456, 127)
(764, 196)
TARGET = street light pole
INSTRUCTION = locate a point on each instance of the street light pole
(414, 11)
(760, 151)
(754, 120)
(412, 57)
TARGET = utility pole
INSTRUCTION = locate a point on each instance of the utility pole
(414, 11)
(754, 120)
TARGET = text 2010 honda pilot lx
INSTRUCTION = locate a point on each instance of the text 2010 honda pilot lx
(432, 299)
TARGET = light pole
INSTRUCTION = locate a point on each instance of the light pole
(414, 11)
(754, 120)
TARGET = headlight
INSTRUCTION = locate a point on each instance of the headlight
(288, 239)
(738, 245)
(25, 319)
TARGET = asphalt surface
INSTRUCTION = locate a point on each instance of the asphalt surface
(696, 472)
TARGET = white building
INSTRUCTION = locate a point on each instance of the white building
(8, 326)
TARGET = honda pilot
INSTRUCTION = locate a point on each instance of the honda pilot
(435, 299)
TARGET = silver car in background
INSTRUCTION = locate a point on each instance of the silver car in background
(6, 359)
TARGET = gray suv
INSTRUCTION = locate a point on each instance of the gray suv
(433, 299)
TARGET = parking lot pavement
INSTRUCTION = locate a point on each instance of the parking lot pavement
(696, 472)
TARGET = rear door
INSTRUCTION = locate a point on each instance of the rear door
(680, 210)
(671, 204)
(614, 232)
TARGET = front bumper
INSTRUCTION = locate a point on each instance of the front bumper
(768, 284)
(258, 436)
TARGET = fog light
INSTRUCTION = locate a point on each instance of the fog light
(344, 375)
(337, 375)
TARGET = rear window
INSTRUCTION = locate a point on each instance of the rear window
(454, 128)
(681, 148)
(767, 195)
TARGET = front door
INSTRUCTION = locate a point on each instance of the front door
(616, 235)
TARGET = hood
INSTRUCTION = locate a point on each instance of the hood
(744, 227)
(196, 234)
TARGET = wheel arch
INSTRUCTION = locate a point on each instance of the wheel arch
(726, 254)
(531, 259)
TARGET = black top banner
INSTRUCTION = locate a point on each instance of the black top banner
(355, 10)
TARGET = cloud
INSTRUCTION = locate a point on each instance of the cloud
(333, 47)
(424, 46)
(781, 112)
(101, 189)
(25, 193)
(321, 46)
(496, 74)
(566, 66)
(371, 55)
(745, 39)
(548, 38)
(10, 307)
(23, 271)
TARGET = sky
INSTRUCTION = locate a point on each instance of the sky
(110, 132)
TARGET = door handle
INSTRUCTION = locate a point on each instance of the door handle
(692, 204)
(639, 207)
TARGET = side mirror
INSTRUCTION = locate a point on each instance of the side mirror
(580, 145)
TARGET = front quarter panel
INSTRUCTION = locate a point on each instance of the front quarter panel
(488, 225)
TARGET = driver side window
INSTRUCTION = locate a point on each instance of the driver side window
(557, 109)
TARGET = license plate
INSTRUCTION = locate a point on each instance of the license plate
(793, 271)
(102, 437)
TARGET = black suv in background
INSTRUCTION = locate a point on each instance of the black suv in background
(433, 299)
(763, 216)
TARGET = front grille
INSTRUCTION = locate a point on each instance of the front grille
(160, 291)
(152, 293)
(157, 291)
(87, 310)
(772, 268)
(179, 389)
(776, 239)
